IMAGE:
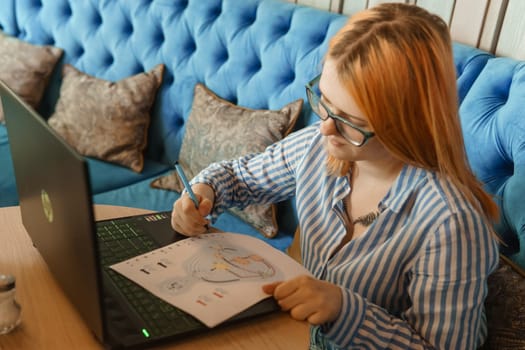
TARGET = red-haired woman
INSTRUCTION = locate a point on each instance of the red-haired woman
(395, 228)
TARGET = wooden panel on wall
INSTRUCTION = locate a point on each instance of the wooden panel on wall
(320, 4)
(511, 40)
(336, 5)
(352, 6)
(375, 2)
(467, 21)
(442, 8)
(492, 25)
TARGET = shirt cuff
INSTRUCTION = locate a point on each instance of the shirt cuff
(353, 312)
(204, 178)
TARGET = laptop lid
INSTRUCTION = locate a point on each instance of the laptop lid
(57, 212)
(55, 204)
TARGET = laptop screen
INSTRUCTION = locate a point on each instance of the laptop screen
(55, 204)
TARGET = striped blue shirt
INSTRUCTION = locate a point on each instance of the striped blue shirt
(415, 279)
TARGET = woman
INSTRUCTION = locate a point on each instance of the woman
(394, 225)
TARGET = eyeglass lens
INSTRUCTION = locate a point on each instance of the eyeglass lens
(348, 132)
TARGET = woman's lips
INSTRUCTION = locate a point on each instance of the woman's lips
(335, 142)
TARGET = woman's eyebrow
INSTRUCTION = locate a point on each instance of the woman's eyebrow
(341, 113)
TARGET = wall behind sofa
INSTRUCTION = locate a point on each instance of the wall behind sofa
(496, 26)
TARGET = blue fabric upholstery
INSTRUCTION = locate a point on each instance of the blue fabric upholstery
(258, 54)
(255, 53)
(106, 177)
(245, 51)
(7, 17)
(493, 120)
(8, 194)
(469, 62)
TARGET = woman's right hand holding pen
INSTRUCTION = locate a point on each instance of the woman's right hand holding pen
(189, 219)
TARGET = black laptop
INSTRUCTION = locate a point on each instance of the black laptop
(57, 212)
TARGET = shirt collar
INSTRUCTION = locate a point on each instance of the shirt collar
(402, 188)
(395, 199)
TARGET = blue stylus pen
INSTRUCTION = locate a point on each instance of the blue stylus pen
(186, 184)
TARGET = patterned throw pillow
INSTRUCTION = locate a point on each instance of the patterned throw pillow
(218, 130)
(107, 120)
(26, 68)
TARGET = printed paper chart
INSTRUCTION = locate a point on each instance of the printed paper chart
(212, 276)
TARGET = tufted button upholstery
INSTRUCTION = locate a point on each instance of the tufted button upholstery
(259, 54)
(469, 62)
(7, 17)
(493, 120)
(246, 51)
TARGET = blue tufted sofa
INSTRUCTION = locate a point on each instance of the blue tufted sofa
(257, 54)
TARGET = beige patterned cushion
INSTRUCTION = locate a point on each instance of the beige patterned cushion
(505, 307)
(26, 68)
(107, 120)
(219, 130)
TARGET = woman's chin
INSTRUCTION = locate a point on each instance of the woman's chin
(341, 150)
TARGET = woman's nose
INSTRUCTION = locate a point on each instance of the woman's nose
(328, 127)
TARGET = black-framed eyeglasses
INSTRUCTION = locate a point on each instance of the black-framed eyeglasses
(350, 132)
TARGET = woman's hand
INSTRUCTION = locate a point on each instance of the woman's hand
(186, 218)
(307, 298)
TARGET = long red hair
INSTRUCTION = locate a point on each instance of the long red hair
(396, 61)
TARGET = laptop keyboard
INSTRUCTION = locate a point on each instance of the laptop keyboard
(119, 241)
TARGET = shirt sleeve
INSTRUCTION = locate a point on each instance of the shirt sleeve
(267, 177)
(447, 289)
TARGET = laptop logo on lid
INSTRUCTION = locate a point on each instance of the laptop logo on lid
(46, 205)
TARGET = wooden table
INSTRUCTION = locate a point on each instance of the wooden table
(49, 321)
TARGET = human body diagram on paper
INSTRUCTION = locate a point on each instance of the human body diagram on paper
(212, 276)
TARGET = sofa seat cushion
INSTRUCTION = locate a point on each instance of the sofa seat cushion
(162, 200)
(105, 176)
(8, 193)
(3, 135)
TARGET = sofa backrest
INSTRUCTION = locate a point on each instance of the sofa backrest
(259, 54)
(7, 17)
(493, 121)
(254, 53)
